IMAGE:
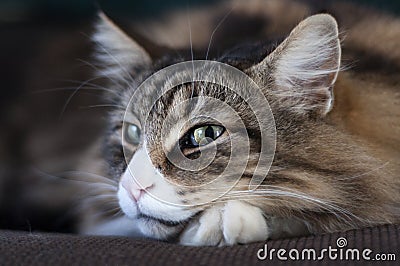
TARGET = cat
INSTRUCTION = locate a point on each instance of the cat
(322, 178)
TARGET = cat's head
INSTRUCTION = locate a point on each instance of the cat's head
(159, 194)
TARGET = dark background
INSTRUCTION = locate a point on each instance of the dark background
(43, 46)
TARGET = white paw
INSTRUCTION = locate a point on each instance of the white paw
(243, 223)
(229, 224)
(204, 232)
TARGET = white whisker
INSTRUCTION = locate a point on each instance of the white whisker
(191, 48)
(104, 74)
(366, 173)
(78, 82)
(216, 28)
(92, 175)
(90, 87)
(104, 105)
(322, 203)
(96, 181)
(73, 94)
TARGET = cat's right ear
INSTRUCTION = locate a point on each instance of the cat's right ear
(117, 54)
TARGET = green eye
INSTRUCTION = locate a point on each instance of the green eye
(205, 134)
(132, 134)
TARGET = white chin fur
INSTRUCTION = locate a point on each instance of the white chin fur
(153, 207)
(127, 205)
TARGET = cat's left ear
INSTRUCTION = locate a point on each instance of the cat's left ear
(301, 71)
(118, 54)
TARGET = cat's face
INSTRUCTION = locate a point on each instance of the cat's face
(184, 151)
(162, 193)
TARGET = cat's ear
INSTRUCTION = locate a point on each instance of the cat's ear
(304, 67)
(117, 53)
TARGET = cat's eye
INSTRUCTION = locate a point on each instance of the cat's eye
(132, 134)
(205, 134)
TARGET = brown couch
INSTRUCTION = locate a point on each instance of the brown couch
(22, 248)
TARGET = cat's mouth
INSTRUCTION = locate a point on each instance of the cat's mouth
(162, 221)
(167, 222)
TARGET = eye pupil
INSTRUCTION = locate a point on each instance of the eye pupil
(205, 134)
(210, 132)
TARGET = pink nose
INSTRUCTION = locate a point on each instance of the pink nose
(135, 191)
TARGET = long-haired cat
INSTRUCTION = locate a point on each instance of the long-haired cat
(322, 179)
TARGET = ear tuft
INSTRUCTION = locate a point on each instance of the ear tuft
(305, 66)
(117, 53)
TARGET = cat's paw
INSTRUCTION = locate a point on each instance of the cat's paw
(206, 231)
(243, 223)
(229, 224)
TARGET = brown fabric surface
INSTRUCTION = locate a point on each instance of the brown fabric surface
(22, 248)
